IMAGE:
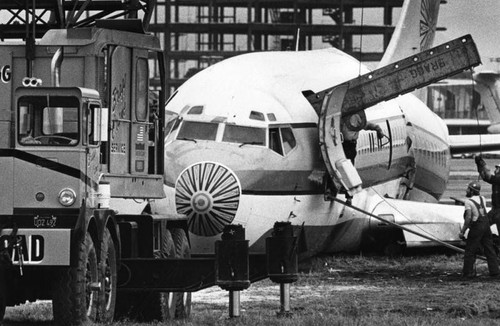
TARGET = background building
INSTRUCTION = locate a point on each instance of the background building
(198, 33)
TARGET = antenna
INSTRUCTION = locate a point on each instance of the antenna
(297, 39)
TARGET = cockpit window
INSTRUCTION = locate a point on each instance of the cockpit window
(48, 120)
(196, 110)
(171, 126)
(244, 135)
(255, 115)
(288, 139)
(271, 117)
(275, 141)
(191, 130)
(281, 140)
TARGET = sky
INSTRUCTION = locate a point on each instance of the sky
(481, 19)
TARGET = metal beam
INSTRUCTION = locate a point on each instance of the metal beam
(291, 4)
(271, 29)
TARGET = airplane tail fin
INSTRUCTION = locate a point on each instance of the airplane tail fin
(414, 32)
(488, 85)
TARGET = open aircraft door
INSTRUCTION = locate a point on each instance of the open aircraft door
(381, 85)
(339, 167)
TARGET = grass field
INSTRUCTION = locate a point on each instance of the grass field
(350, 290)
(345, 290)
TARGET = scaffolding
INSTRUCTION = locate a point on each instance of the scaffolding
(198, 33)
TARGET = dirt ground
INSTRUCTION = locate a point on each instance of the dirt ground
(351, 286)
(350, 290)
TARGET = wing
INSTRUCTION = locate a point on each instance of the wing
(488, 85)
(462, 144)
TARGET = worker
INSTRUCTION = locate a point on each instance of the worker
(477, 222)
(350, 127)
(494, 180)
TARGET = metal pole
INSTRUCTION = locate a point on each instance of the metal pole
(284, 299)
(234, 304)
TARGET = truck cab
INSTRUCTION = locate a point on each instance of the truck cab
(81, 151)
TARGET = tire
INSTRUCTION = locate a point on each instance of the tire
(146, 306)
(177, 305)
(75, 294)
(108, 278)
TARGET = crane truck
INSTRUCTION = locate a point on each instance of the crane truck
(80, 129)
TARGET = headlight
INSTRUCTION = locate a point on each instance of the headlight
(67, 197)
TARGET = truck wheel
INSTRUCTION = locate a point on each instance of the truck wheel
(75, 296)
(108, 277)
(178, 304)
(147, 307)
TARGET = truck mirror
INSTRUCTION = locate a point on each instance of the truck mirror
(100, 125)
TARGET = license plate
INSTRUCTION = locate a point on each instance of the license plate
(40, 247)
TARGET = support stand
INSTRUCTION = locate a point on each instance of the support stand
(282, 262)
(284, 301)
(234, 304)
(232, 265)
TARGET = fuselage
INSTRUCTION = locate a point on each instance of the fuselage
(243, 148)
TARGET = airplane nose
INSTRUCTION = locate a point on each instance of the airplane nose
(209, 194)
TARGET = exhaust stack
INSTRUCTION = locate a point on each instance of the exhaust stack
(55, 67)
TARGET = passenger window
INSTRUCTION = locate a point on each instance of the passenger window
(244, 135)
(191, 130)
(288, 139)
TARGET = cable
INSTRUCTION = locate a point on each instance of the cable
(361, 36)
(476, 111)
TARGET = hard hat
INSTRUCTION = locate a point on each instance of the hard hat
(474, 186)
(355, 121)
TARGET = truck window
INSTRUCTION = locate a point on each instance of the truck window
(89, 118)
(48, 121)
(141, 90)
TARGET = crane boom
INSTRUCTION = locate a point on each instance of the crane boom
(405, 75)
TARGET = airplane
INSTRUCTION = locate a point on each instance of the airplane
(243, 148)
(468, 132)
(488, 85)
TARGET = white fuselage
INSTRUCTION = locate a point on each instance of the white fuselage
(244, 150)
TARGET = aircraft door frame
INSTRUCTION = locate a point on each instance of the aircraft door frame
(339, 167)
